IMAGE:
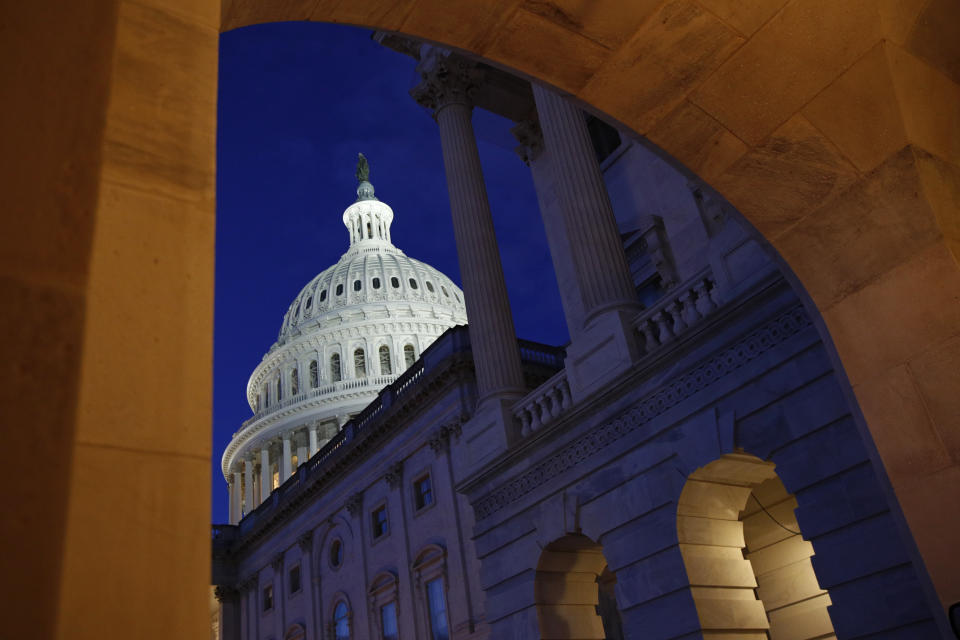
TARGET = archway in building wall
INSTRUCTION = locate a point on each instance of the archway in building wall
(831, 126)
(574, 592)
(748, 564)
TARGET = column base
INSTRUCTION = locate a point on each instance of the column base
(604, 350)
(487, 435)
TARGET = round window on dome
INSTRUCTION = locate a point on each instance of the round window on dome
(309, 303)
(323, 295)
(296, 311)
(376, 283)
(444, 289)
(356, 285)
(339, 289)
(429, 286)
(413, 283)
(457, 297)
(395, 282)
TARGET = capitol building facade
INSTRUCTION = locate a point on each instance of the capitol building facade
(690, 465)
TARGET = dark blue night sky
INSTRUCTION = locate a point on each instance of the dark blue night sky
(297, 102)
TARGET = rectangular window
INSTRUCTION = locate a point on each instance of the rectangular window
(437, 610)
(295, 579)
(379, 518)
(268, 597)
(422, 492)
(388, 621)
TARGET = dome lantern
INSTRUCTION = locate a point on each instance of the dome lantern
(367, 220)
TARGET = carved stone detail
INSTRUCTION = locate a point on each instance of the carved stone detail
(354, 504)
(439, 439)
(530, 137)
(447, 79)
(225, 592)
(306, 542)
(394, 474)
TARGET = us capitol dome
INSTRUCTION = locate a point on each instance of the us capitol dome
(352, 330)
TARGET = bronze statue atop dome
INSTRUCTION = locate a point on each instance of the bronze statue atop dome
(363, 169)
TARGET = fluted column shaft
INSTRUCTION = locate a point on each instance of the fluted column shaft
(492, 335)
(594, 245)
(235, 498)
(286, 459)
(265, 480)
(248, 485)
(314, 444)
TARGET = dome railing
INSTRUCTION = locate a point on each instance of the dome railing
(330, 388)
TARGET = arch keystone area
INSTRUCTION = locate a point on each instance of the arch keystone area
(833, 127)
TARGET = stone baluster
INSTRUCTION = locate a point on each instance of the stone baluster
(705, 302)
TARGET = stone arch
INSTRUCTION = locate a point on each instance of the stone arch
(574, 591)
(295, 632)
(888, 296)
(748, 564)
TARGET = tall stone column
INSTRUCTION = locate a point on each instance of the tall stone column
(286, 457)
(248, 464)
(533, 154)
(235, 497)
(314, 440)
(265, 479)
(605, 345)
(447, 83)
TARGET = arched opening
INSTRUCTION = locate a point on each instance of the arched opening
(386, 366)
(340, 625)
(574, 592)
(409, 355)
(359, 364)
(335, 374)
(294, 381)
(296, 632)
(748, 564)
(314, 374)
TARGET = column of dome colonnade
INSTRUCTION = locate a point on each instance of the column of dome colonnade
(600, 293)
(447, 82)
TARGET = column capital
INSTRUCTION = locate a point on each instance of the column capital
(530, 137)
(224, 592)
(394, 474)
(447, 79)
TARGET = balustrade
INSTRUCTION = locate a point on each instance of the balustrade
(682, 307)
(543, 405)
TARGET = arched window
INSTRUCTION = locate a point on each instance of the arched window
(309, 303)
(359, 363)
(409, 357)
(395, 282)
(413, 283)
(356, 285)
(376, 283)
(369, 230)
(341, 621)
(386, 367)
(279, 389)
(429, 286)
(335, 374)
(323, 295)
(314, 374)
(294, 381)
(339, 289)
(444, 289)
(266, 396)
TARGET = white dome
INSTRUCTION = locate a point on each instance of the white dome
(351, 331)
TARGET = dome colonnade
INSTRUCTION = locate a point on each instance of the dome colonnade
(352, 330)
